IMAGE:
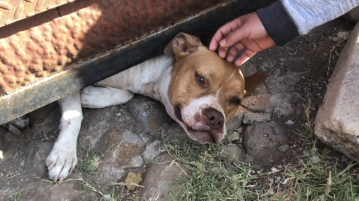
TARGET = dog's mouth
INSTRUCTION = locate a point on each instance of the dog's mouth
(203, 135)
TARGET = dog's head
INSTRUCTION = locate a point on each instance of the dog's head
(205, 91)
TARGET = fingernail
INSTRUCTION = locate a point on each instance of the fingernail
(223, 42)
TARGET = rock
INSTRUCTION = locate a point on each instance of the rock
(233, 136)
(281, 104)
(133, 179)
(344, 160)
(151, 152)
(124, 151)
(278, 103)
(274, 169)
(144, 137)
(175, 131)
(95, 124)
(7, 192)
(262, 141)
(279, 82)
(289, 122)
(285, 181)
(150, 113)
(36, 154)
(352, 15)
(236, 121)
(231, 152)
(335, 39)
(214, 169)
(258, 103)
(42, 190)
(283, 148)
(261, 89)
(160, 179)
(337, 121)
(107, 175)
(316, 159)
(253, 118)
(107, 197)
(343, 35)
(248, 158)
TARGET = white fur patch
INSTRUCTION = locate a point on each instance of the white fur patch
(196, 108)
(63, 158)
(100, 97)
(152, 76)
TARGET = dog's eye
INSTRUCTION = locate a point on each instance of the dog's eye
(235, 101)
(200, 79)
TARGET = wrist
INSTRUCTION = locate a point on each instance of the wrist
(278, 24)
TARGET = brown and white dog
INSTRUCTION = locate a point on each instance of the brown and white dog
(200, 91)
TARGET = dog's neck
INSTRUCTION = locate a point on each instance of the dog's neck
(150, 78)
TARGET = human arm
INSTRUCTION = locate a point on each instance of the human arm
(274, 25)
(246, 32)
(308, 14)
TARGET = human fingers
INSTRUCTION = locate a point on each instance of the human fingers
(233, 51)
(247, 54)
(222, 52)
(251, 28)
(223, 31)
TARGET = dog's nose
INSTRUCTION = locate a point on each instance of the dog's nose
(214, 118)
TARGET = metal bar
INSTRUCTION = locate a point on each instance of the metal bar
(48, 42)
(15, 10)
(121, 58)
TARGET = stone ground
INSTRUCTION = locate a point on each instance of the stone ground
(296, 73)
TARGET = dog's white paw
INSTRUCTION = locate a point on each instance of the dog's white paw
(100, 97)
(61, 161)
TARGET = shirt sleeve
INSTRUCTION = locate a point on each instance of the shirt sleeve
(308, 14)
(279, 25)
(286, 19)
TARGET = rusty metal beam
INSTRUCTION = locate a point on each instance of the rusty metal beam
(14, 10)
(48, 42)
(118, 59)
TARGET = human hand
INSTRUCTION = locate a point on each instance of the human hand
(247, 32)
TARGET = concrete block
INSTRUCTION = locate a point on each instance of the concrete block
(337, 121)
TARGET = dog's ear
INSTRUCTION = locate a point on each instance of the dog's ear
(181, 45)
(252, 82)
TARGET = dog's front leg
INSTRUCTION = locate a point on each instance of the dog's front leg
(62, 159)
(100, 97)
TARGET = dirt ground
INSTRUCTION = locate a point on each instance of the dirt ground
(301, 68)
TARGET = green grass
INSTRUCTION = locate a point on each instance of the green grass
(114, 196)
(16, 197)
(316, 175)
(225, 180)
(321, 179)
(91, 162)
